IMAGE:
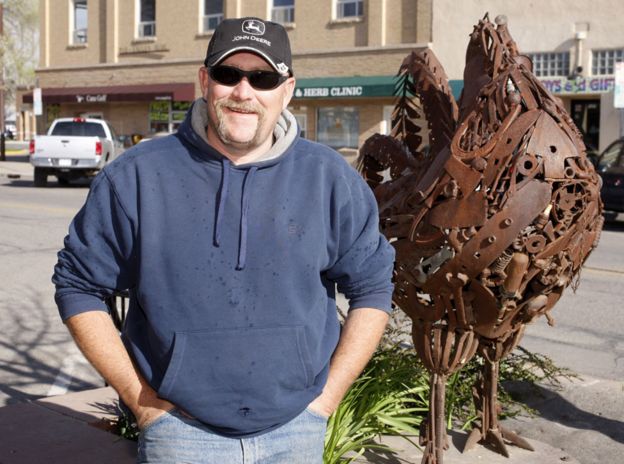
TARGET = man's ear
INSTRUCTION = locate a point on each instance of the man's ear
(203, 79)
(289, 89)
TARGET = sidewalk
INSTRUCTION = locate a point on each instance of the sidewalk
(16, 167)
(64, 429)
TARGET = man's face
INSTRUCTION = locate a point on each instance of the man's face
(241, 119)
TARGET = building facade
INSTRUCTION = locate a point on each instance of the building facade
(574, 45)
(135, 62)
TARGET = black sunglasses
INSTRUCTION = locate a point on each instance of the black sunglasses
(260, 80)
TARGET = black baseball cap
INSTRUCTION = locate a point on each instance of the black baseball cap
(265, 38)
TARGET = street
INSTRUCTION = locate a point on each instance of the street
(37, 357)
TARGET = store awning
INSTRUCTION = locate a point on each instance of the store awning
(175, 92)
(353, 87)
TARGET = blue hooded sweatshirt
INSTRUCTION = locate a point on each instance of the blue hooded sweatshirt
(232, 270)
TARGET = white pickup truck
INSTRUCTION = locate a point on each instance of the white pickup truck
(73, 148)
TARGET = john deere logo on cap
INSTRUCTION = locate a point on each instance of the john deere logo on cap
(253, 26)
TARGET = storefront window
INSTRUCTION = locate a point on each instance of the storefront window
(338, 127)
(302, 122)
(52, 112)
(166, 116)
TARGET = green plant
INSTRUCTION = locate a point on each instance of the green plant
(388, 398)
(126, 427)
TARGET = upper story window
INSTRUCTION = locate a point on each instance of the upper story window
(550, 64)
(283, 11)
(146, 18)
(79, 33)
(603, 61)
(213, 14)
(349, 8)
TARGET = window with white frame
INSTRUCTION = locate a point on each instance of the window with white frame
(146, 18)
(550, 63)
(283, 11)
(79, 32)
(338, 127)
(213, 14)
(603, 61)
(349, 8)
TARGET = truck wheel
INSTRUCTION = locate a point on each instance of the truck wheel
(41, 177)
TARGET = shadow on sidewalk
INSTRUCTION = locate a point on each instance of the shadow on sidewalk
(34, 344)
(552, 406)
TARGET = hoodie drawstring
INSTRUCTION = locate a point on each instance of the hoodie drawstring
(242, 242)
(223, 191)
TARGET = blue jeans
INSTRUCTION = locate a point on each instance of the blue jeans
(175, 438)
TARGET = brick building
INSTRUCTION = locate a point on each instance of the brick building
(135, 62)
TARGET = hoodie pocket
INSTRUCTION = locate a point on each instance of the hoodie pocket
(236, 371)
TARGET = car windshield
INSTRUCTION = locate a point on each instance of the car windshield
(81, 129)
(609, 156)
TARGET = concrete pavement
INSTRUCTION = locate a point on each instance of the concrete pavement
(69, 429)
(16, 165)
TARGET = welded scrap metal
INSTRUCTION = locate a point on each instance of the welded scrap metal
(490, 222)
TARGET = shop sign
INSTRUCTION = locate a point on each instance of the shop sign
(100, 98)
(323, 92)
(618, 94)
(580, 85)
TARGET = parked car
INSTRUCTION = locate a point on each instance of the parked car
(610, 167)
(73, 148)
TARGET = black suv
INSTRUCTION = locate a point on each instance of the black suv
(610, 167)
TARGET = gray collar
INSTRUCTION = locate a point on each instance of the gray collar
(284, 133)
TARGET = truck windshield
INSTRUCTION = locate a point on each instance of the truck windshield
(81, 129)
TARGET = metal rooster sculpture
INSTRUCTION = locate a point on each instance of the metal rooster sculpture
(490, 223)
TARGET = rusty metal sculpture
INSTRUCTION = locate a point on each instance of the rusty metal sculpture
(490, 224)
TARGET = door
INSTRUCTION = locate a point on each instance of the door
(586, 116)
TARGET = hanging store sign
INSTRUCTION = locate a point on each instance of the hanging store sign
(579, 85)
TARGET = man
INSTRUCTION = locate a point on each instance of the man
(231, 236)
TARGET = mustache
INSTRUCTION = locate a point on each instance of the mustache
(248, 107)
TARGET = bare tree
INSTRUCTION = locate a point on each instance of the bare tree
(19, 45)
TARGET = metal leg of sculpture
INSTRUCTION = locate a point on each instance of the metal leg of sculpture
(433, 431)
(490, 432)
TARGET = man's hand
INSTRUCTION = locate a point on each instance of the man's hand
(360, 336)
(147, 414)
(322, 406)
(99, 341)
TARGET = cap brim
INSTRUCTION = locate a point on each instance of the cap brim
(218, 58)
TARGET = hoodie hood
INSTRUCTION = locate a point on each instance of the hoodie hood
(193, 130)
(284, 134)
